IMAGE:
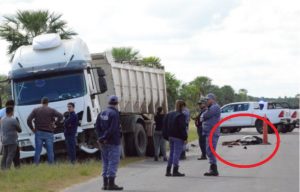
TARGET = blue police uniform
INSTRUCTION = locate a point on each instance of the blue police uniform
(109, 135)
(211, 117)
(70, 130)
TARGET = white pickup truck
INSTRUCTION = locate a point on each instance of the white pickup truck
(277, 113)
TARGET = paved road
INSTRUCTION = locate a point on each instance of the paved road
(280, 174)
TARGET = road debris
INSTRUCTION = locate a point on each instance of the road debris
(247, 140)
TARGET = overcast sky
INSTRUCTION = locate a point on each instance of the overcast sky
(251, 44)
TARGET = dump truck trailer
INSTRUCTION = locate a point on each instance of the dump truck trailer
(65, 71)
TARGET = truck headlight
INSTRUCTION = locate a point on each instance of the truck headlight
(24, 143)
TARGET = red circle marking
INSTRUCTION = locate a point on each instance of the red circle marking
(244, 165)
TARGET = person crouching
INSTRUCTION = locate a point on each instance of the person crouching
(175, 132)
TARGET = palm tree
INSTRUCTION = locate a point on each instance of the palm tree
(21, 28)
(121, 54)
(151, 62)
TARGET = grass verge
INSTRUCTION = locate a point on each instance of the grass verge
(193, 135)
(45, 178)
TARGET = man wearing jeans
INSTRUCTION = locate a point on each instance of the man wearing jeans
(70, 130)
(210, 118)
(44, 119)
(109, 139)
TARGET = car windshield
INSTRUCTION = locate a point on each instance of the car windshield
(56, 88)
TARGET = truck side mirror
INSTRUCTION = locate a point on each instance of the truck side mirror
(102, 84)
(102, 80)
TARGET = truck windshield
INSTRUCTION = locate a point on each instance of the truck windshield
(56, 88)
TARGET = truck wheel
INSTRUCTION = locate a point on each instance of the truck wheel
(232, 130)
(225, 130)
(235, 130)
(285, 129)
(279, 128)
(291, 128)
(140, 140)
(259, 126)
(129, 144)
(238, 129)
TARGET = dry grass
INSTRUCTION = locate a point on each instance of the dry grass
(45, 178)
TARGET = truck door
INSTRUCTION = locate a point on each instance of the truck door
(241, 121)
(226, 111)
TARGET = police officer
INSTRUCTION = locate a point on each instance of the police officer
(211, 117)
(109, 136)
(198, 123)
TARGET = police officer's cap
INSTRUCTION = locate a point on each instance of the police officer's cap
(113, 100)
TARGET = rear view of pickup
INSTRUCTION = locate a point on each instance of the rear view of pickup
(277, 113)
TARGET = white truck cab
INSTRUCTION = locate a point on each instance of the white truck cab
(57, 69)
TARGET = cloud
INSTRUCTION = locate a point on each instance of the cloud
(247, 44)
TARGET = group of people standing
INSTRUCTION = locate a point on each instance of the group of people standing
(173, 127)
(42, 121)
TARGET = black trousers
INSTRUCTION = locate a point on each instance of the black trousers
(202, 141)
(9, 152)
(16, 160)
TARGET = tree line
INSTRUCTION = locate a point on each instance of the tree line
(191, 92)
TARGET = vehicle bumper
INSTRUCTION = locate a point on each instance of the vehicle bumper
(285, 121)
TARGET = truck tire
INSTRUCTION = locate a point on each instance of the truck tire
(140, 140)
(285, 129)
(259, 126)
(238, 129)
(291, 128)
(129, 144)
(235, 130)
(279, 128)
(225, 130)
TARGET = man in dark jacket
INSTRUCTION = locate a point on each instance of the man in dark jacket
(44, 119)
(109, 139)
(175, 132)
(210, 118)
(198, 123)
(70, 130)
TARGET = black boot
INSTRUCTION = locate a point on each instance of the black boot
(105, 183)
(155, 158)
(168, 172)
(213, 171)
(112, 186)
(183, 156)
(176, 173)
(203, 157)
